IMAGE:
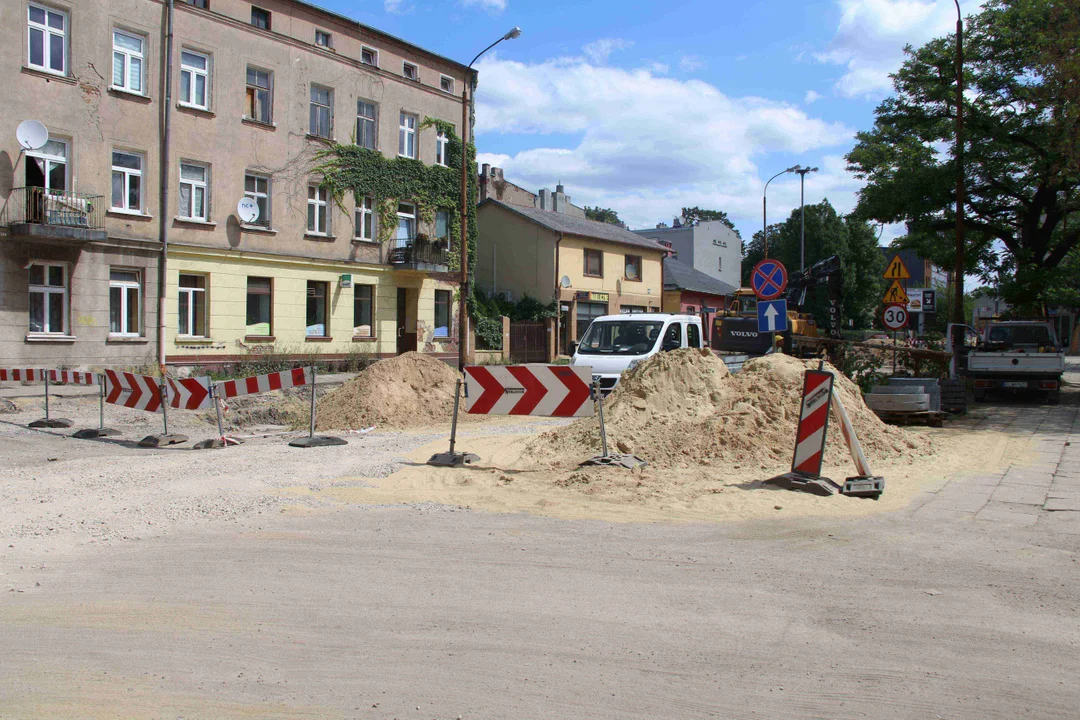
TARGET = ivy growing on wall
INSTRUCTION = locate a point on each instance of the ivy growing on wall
(356, 171)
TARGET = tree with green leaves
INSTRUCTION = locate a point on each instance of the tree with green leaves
(695, 215)
(1021, 182)
(604, 215)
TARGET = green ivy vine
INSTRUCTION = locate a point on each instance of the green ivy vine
(353, 170)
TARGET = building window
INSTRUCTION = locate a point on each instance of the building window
(446, 84)
(410, 71)
(594, 263)
(586, 313)
(441, 144)
(127, 68)
(48, 298)
(365, 219)
(442, 313)
(257, 187)
(369, 56)
(633, 267)
(125, 292)
(194, 79)
(126, 181)
(259, 95)
(47, 167)
(260, 18)
(406, 221)
(317, 322)
(366, 115)
(720, 264)
(194, 192)
(260, 305)
(320, 116)
(442, 226)
(317, 220)
(323, 39)
(407, 136)
(48, 39)
(362, 310)
(204, 4)
(192, 306)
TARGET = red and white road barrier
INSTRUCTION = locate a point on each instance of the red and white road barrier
(862, 465)
(190, 393)
(813, 423)
(544, 390)
(138, 392)
(32, 375)
(296, 377)
(72, 377)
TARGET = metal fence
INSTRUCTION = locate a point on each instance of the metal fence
(43, 206)
(417, 251)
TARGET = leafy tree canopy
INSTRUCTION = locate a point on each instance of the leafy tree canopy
(604, 215)
(1021, 177)
(695, 215)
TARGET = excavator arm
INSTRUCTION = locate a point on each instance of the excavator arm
(827, 272)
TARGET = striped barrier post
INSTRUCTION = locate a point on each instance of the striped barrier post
(100, 430)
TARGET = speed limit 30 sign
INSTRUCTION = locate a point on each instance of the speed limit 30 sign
(895, 317)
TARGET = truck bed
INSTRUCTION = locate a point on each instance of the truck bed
(1016, 363)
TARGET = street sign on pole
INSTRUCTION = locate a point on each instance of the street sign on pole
(772, 316)
(895, 317)
(896, 270)
(929, 301)
(768, 279)
(895, 295)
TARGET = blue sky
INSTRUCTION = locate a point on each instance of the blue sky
(649, 106)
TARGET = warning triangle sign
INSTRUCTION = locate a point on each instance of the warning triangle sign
(895, 294)
(897, 270)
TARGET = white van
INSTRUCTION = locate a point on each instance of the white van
(614, 343)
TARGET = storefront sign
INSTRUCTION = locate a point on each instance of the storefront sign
(592, 296)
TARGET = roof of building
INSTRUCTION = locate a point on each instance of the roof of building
(562, 223)
(683, 277)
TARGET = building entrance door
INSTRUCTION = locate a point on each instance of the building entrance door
(406, 325)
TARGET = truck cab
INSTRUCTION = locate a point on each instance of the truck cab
(613, 344)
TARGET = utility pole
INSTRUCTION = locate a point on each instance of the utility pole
(958, 270)
(764, 207)
(802, 214)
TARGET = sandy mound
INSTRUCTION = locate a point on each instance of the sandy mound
(683, 408)
(406, 391)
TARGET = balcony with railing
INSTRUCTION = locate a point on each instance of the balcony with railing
(418, 253)
(46, 214)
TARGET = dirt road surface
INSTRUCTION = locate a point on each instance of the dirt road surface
(171, 583)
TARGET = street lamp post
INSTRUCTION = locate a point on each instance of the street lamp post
(764, 206)
(463, 312)
(958, 271)
(802, 214)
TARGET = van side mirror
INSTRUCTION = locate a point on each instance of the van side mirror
(572, 348)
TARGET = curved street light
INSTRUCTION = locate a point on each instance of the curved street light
(764, 221)
(802, 214)
(463, 317)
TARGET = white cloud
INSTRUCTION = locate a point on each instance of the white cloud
(647, 144)
(490, 5)
(811, 97)
(691, 63)
(658, 68)
(870, 39)
(396, 7)
(600, 50)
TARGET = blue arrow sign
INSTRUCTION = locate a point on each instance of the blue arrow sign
(772, 316)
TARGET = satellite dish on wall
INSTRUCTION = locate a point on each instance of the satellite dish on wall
(565, 281)
(248, 210)
(32, 135)
(631, 271)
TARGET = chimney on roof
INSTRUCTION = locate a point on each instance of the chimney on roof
(485, 177)
(559, 199)
(545, 199)
(675, 223)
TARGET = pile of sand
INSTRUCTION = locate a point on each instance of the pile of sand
(683, 408)
(409, 390)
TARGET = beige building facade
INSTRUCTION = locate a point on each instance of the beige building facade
(260, 93)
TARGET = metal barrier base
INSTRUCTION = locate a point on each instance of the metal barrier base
(91, 433)
(453, 459)
(805, 483)
(318, 441)
(215, 443)
(864, 486)
(626, 461)
(51, 423)
(153, 441)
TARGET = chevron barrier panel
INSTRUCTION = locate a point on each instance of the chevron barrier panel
(544, 390)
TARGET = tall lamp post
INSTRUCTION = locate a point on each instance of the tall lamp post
(958, 271)
(764, 213)
(802, 213)
(463, 312)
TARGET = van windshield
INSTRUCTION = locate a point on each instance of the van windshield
(620, 337)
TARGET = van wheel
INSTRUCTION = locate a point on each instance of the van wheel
(1053, 397)
(979, 395)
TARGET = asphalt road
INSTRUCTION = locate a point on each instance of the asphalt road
(966, 605)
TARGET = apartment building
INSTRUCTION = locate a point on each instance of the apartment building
(708, 247)
(261, 92)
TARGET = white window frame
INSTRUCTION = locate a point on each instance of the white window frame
(49, 161)
(126, 58)
(374, 56)
(269, 18)
(128, 173)
(264, 218)
(365, 209)
(374, 119)
(449, 220)
(193, 73)
(407, 134)
(189, 326)
(329, 107)
(193, 187)
(269, 92)
(125, 286)
(48, 290)
(405, 65)
(48, 32)
(329, 44)
(406, 216)
(442, 144)
(321, 200)
(448, 78)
